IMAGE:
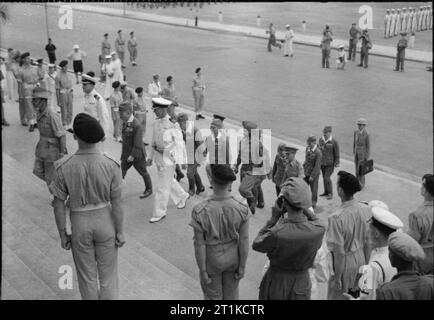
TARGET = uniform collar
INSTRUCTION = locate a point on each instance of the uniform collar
(313, 149)
(130, 119)
(329, 139)
(349, 203)
(405, 273)
(295, 218)
(88, 151)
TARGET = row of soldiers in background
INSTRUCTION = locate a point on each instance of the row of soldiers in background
(163, 4)
(119, 48)
(410, 22)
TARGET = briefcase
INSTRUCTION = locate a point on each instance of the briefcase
(366, 166)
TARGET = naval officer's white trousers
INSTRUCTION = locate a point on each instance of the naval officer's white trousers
(166, 186)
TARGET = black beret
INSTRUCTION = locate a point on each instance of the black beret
(222, 173)
(139, 89)
(63, 63)
(197, 70)
(348, 182)
(87, 128)
(221, 118)
(105, 34)
(40, 60)
(116, 84)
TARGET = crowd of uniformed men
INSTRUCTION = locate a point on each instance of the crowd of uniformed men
(363, 253)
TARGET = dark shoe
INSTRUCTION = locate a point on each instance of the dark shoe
(70, 130)
(191, 193)
(24, 124)
(146, 144)
(260, 205)
(35, 126)
(197, 118)
(200, 116)
(146, 194)
(323, 194)
(31, 128)
(211, 187)
(179, 176)
(360, 65)
(200, 190)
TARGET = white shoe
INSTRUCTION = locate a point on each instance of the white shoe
(156, 219)
(181, 204)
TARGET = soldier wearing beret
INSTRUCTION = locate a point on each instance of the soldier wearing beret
(133, 150)
(91, 183)
(330, 159)
(64, 93)
(120, 47)
(29, 78)
(347, 237)
(291, 245)
(361, 148)
(400, 52)
(312, 167)
(221, 237)
(52, 136)
(421, 225)
(407, 284)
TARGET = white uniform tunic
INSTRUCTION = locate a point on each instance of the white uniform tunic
(94, 105)
(379, 270)
(168, 137)
(107, 68)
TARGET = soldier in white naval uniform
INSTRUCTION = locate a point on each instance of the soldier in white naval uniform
(168, 149)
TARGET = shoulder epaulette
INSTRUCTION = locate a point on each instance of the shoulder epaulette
(62, 161)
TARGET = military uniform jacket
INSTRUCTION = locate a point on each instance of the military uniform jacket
(50, 131)
(330, 152)
(402, 44)
(312, 163)
(219, 152)
(294, 169)
(292, 244)
(361, 144)
(407, 285)
(132, 144)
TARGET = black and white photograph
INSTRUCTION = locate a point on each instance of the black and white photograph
(191, 151)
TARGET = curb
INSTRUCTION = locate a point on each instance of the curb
(295, 142)
(239, 33)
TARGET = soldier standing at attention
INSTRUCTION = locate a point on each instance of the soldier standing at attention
(120, 47)
(354, 38)
(287, 47)
(52, 136)
(132, 48)
(92, 184)
(400, 52)
(29, 78)
(398, 22)
(387, 23)
(420, 224)
(392, 23)
(364, 51)
(347, 237)
(115, 102)
(198, 90)
(404, 20)
(105, 46)
(325, 49)
(140, 109)
(221, 237)
(361, 148)
(291, 243)
(330, 159)
(63, 83)
(133, 150)
(51, 51)
(312, 167)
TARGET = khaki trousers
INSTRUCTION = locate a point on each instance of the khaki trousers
(95, 254)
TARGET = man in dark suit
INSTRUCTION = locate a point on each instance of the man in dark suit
(133, 150)
(312, 167)
(330, 159)
(361, 148)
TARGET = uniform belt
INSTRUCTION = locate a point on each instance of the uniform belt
(49, 139)
(90, 207)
